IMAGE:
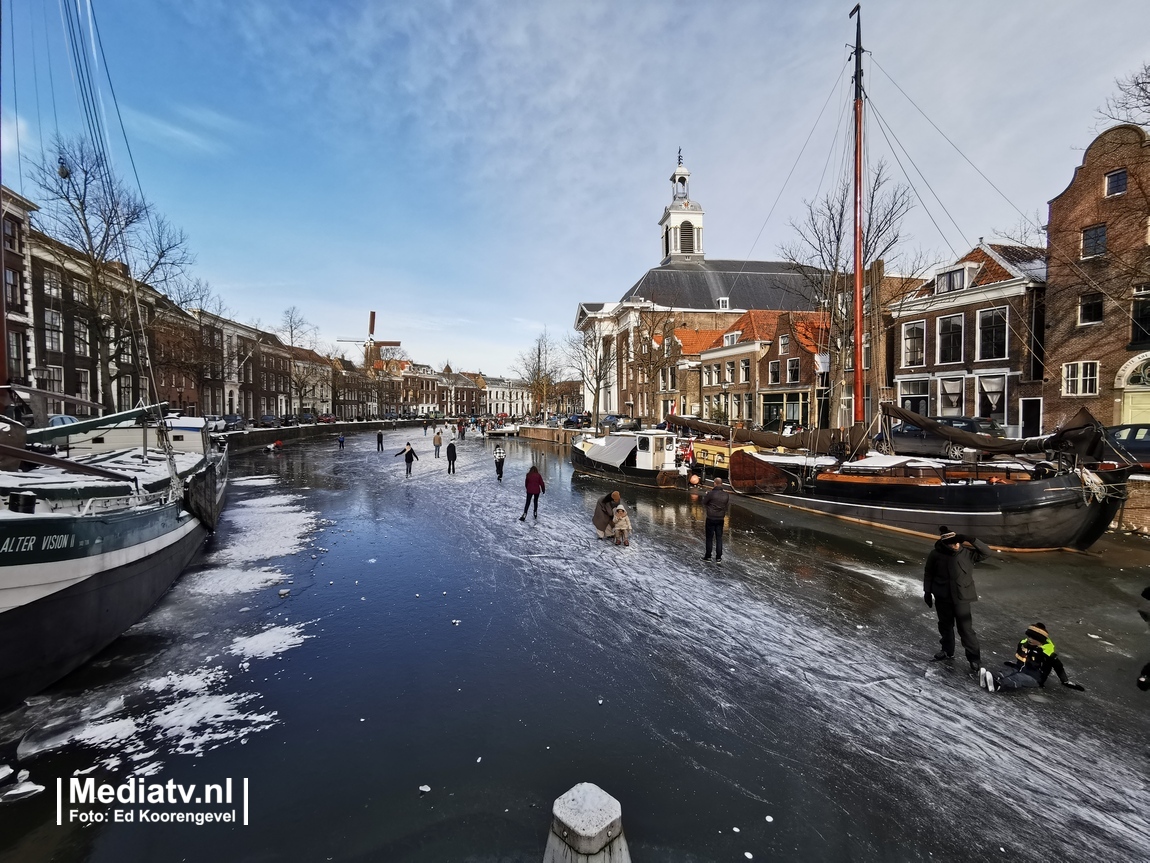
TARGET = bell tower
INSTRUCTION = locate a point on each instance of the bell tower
(681, 228)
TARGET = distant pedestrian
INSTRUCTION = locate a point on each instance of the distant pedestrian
(425, 428)
(379, 441)
(451, 457)
(948, 587)
(716, 502)
(340, 440)
(535, 487)
(408, 456)
(500, 455)
(437, 442)
(604, 516)
(622, 525)
(1034, 659)
(462, 430)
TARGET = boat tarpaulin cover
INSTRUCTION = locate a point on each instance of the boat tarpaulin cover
(614, 452)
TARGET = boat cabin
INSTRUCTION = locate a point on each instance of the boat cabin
(654, 450)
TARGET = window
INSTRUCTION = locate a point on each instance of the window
(80, 339)
(53, 333)
(992, 397)
(1140, 316)
(707, 376)
(950, 391)
(731, 371)
(992, 334)
(1116, 182)
(16, 354)
(745, 371)
(950, 339)
(54, 383)
(1080, 379)
(730, 339)
(724, 302)
(914, 344)
(52, 285)
(1090, 309)
(13, 289)
(784, 345)
(953, 280)
(793, 370)
(11, 236)
(914, 396)
(80, 292)
(83, 388)
(1094, 241)
(773, 372)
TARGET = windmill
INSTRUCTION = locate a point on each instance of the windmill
(372, 362)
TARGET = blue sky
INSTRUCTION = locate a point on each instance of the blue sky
(473, 170)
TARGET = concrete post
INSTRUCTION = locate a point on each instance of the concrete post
(586, 827)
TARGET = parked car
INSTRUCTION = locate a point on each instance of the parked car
(215, 423)
(1131, 440)
(907, 439)
(61, 420)
(577, 421)
(326, 418)
(288, 420)
(307, 419)
(234, 422)
(611, 422)
(269, 421)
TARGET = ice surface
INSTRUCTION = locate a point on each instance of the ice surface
(272, 641)
(265, 528)
(224, 580)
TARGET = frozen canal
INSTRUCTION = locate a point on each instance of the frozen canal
(777, 707)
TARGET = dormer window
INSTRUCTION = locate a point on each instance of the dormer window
(952, 280)
(784, 345)
(730, 339)
(1116, 183)
(724, 302)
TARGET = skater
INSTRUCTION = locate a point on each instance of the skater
(500, 455)
(948, 587)
(535, 487)
(622, 525)
(1033, 660)
(437, 442)
(451, 457)
(425, 428)
(379, 441)
(716, 502)
(408, 456)
(604, 516)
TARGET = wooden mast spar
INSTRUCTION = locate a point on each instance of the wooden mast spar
(859, 385)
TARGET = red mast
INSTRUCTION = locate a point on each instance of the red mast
(859, 384)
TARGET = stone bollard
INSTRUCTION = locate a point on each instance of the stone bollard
(586, 827)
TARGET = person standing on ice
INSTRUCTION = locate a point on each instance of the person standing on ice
(716, 502)
(379, 441)
(408, 456)
(604, 516)
(437, 442)
(622, 526)
(451, 457)
(948, 587)
(500, 455)
(1034, 659)
(535, 487)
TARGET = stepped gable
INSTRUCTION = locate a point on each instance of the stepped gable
(744, 284)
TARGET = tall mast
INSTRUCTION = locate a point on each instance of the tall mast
(859, 384)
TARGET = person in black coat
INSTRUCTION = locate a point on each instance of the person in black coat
(408, 456)
(451, 457)
(948, 587)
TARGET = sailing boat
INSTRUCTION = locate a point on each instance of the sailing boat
(1067, 502)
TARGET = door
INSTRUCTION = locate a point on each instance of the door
(1135, 407)
(1030, 415)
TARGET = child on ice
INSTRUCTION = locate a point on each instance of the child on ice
(622, 523)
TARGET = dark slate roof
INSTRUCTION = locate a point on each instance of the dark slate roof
(747, 284)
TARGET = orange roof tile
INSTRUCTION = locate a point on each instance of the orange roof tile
(696, 341)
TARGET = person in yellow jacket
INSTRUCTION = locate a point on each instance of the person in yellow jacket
(1033, 661)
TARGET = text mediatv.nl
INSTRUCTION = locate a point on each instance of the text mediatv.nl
(87, 792)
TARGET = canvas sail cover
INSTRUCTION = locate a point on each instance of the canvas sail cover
(1082, 435)
(614, 452)
(844, 441)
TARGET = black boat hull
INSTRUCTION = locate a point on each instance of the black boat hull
(137, 558)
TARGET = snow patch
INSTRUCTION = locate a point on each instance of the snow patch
(228, 581)
(272, 641)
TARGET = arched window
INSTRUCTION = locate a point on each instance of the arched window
(666, 242)
(687, 238)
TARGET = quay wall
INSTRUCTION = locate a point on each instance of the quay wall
(249, 439)
(563, 437)
(1135, 514)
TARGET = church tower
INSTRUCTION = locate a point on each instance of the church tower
(682, 222)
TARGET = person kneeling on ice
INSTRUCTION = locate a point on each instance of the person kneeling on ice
(622, 523)
(1033, 661)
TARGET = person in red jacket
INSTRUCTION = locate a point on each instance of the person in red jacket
(535, 487)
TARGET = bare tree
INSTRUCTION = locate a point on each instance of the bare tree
(654, 356)
(539, 367)
(299, 334)
(117, 238)
(822, 252)
(590, 354)
(1131, 104)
